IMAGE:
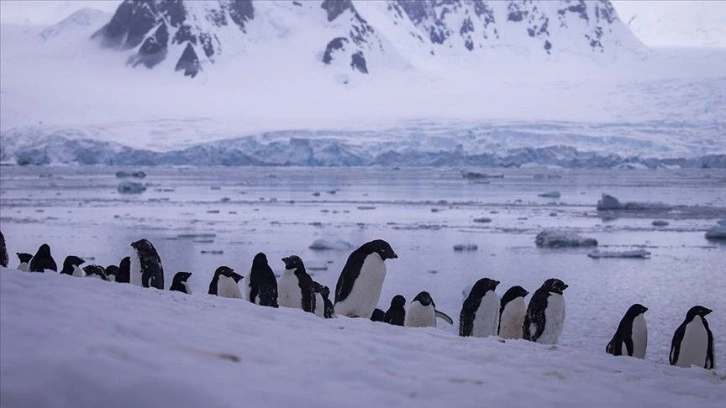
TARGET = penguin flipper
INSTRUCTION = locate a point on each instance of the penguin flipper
(676, 343)
(443, 316)
(347, 277)
(709, 350)
(629, 346)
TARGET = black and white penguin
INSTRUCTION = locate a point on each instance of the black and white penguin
(631, 337)
(360, 282)
(124, 270)
(3, 252)
(545, 316)
(24, 259)
(72, 266)
(43, 261)
(145, 268)
(328, 310)
(422, 312)
(225, 283)
(479, 315)
(179, 283)
(296, 288)
(261, 284)
(378, 315)
(692, 342)
(396, 313)
(112, 272)
(95, 271)
(511, 313)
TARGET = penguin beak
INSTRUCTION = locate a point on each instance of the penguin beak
(706, 311)
(565, 286)
(393, 255)
(645, 309)
(526, 293)
(496, 283)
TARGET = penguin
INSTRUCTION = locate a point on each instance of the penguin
(71, 266)
(145, 268)
(631, 338)
(179, 283)
(43, 261)
(225, 283)
(24, 258)
(112, 272)
(396, 313)
(692, 342)
(3, 252)
(479, 315)
(261, 287)
(422, 312)
(359, 284)
(545, 315)
(511, 313)
(378, 315)
(296, 288)
(95, 271)
(328, 310)
(124, 270)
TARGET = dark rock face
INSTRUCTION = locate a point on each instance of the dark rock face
(336, 7)
(358, 61)
(335, 44)
(188, 62)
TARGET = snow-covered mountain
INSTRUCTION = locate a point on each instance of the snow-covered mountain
(359, 35)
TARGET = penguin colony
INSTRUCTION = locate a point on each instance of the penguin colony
(358, 290)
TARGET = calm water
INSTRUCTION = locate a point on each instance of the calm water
(423, 213)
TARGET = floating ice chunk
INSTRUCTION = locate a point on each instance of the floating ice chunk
(717, 232)
(324, 244)
(126, 174)
(465, 247)
(559, 239)
(660, 223)
(483, 219)
(130, 187)
(721, 223)
(550, 194)
(608, 202)
(473, 175)
(636, 253)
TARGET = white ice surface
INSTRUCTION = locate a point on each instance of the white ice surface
(151, 348)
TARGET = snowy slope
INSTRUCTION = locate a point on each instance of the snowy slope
(72, 342)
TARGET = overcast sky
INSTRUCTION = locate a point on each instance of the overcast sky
(688, 22)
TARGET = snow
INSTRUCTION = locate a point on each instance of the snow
(562, 239)
(635, 253)
(324, 244)
(154, 348)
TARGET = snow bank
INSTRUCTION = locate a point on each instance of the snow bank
(560, 238)
(636, 253)
(150, 348)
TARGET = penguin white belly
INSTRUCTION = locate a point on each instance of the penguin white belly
(512, 319)
(554, 319)
(486, 321)
(135, 270)
(694, 344)
(227, 287)
(112, 278)
(319, 305)
(288, 291)
(78, 272)
(189, 290)
(363, 297)
(419, 315)
(24, 267)
(639, 336)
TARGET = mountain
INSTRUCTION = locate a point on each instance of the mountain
(359, 36)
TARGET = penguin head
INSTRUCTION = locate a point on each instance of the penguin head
(182, 276)
(636, 309)
(24, 257)
(513, 293)
(143, 246)
(382, 248)
(112, 270)
(398, 301)
(43, 251)
(96, 271)
(72, 261)
(259, 260)
(125, 264)
(325, 292)
(293, 262)
(223, 270)
(424, 298)
(698, 311)
(482, 286)
(554, 285)
(378, 315)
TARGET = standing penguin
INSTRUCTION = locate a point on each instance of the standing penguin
(396, 313)
(95, 271)
(306, 292)
(43, 261)
(261, 286)
(480, 312)
(3, 252)
(179, 283)
(71, 266)
(225, 283)
(631, 337)
(124, 270)
(360, 282)
(692, 342)
(545, 316)
(145, 268)
(511, 313)
(422, 312)
(24, 258)
(322, 295)
(378, 315)
(289, 292)
(112, 272)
